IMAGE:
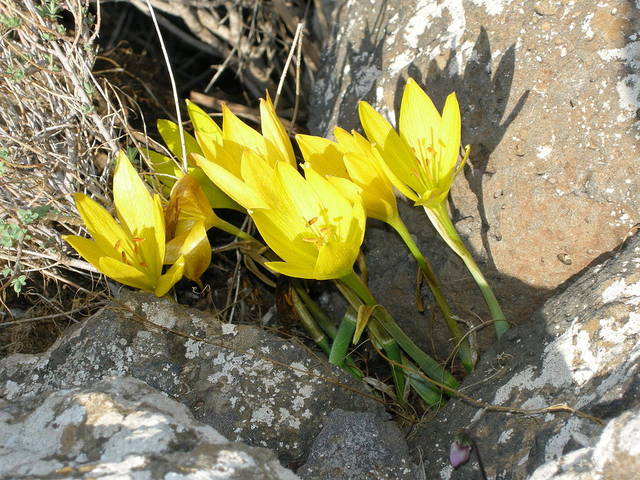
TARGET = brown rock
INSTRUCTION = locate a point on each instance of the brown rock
(549, 97)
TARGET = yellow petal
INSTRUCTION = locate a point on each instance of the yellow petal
(191, 205)
(377, 194)
(87, 249)
(126, 274)
(102, 227)
(291, 270)
(336, 206)
(450, 135)
(347, 188)
(323, 155)
(335, 260)
(140, 214)
(300, 203)
(197, 252)
(397, 156)
(230, 184)
(260, 176)
(283, 237)
(277, 140)
(345, 140)
(217, 198)
(169, 279)
(153, 251)
(171, 135)
(419, 118)
(203, 124)
(133, 201)
(239, 135)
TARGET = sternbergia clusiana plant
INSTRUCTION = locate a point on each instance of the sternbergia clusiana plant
(354, 158)
(131, 251)
(422, 161)
(315, 224)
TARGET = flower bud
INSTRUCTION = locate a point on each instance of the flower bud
(460, 450)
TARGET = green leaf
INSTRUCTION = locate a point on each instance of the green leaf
(19, 282)
(30, 216)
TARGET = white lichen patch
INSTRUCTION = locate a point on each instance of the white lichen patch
(628, 87)
(288, 420)
(492, 7)
(264, 415)
(620, 291)
(159, 314)
(229, 329)
(555, 445)
(192, 349)
(505, 436)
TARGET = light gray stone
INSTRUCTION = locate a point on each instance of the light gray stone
(615, 455)
(250, 385)
(581, 349)
(121, 428)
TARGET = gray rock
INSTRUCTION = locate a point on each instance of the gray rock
(581, 349)
(549, 98)
(616, 455)
(358, 446)
(120, 428)
(250, 385)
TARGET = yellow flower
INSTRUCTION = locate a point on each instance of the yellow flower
(169, 170)
(422, 161)
(132, 251)
(226, 152)
(315, 229)
(353, 158)
(188, 217)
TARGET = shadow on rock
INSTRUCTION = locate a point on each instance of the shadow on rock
(483, 100)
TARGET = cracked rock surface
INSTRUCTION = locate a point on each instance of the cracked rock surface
(248, 384)
(121, 428)
(581, 349)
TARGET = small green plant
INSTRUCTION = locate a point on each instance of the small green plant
(18, 281)
(10, 233)
(132, 154)
(49, 9)
(10, 22)
(88, 88)
(30, 216)
(17, 74)
(4, 155)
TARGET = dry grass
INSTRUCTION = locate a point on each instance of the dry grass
(61, 121)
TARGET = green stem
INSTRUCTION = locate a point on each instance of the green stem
(343, 338)
(309, 323)
(434, 285)
(439, 216)
(430, 394)
(319, 318)
(322, 318)
(233, 230)
(393, 352)
(426, 363)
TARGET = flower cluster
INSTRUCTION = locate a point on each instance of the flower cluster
(312, 216)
